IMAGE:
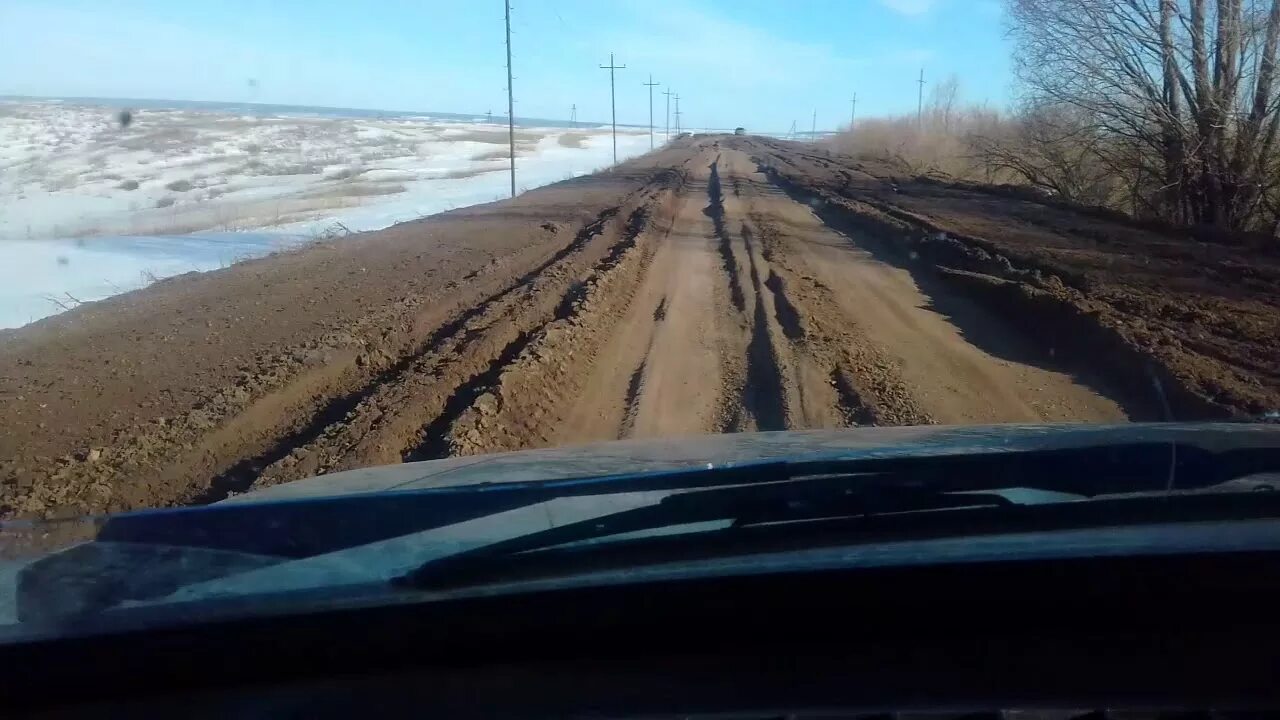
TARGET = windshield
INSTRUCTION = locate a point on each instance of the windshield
(259, 251)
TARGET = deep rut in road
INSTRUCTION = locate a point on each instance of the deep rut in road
(688, 293)
(794, 348)
(412, 415)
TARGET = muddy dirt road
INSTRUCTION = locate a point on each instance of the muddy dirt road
(721, 284)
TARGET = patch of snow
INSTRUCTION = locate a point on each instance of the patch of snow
(89, 208)
(39, 278)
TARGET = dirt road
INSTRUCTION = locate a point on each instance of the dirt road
(721, 284)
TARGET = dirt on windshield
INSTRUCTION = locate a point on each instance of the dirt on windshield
(720, 284)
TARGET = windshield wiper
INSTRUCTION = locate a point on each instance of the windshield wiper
(742, 506)
(749, 496)
(783, 492)
(298, 529)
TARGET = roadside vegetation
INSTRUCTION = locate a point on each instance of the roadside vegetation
(1164, 110)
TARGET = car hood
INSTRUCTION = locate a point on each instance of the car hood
(267, 541)
(651, 455)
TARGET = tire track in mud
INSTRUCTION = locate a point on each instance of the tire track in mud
(289, 457)
(333, 413)
(961, 363)
(696, 295)
(768, 393)
(655, 369)
(868, 386)
(406, 411)
(632, 402)
(436, 439)
(753, 398)
(524, 403)
(830, 374)
(715, 211)
(791, 380)
(785, 312)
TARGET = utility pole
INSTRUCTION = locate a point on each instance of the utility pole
(651, 85)
(813, 131)
(677, 114)
(853, 110)
(511, 104)
(791, 134)
(613, 103)
(920, 103)
(668, 93)
(573, 114)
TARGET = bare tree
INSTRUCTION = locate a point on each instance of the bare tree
(942, 103)
(1190, 112)
(1053, 148)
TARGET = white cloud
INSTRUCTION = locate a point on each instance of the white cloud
(910, 7)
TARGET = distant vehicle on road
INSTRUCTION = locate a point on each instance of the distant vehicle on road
(739, 131)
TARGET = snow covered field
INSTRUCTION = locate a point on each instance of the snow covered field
(90, 207)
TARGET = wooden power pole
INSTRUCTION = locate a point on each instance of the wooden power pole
(920, 103)
(668, 93)
(511, 104)
(651, 84)
(613, 103)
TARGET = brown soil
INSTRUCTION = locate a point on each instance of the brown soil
(720, 284)
(1183, 328)
(571, 139)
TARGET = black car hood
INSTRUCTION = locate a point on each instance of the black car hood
(382, 522)
(651, 455)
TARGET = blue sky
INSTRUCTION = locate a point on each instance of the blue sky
(760, 63)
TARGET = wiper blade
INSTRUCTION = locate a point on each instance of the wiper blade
(784, 491)
(743, 505)
(880, 481)
(298, 529)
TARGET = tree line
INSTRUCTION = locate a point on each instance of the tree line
(1164, 109)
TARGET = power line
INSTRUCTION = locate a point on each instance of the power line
(511, 104)
(613, 103)
(920, 102)
(677, 114)
(651, 84)
(853, 109)
(668, 93)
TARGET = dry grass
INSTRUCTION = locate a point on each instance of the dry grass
(306, 168)
(460, 174)
(345, 173)
(160, 139)
(492, 155)
(571, 139)
(497, 136)
(359, 190)
(940, 142)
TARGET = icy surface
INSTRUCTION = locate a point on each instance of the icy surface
(91, 207)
